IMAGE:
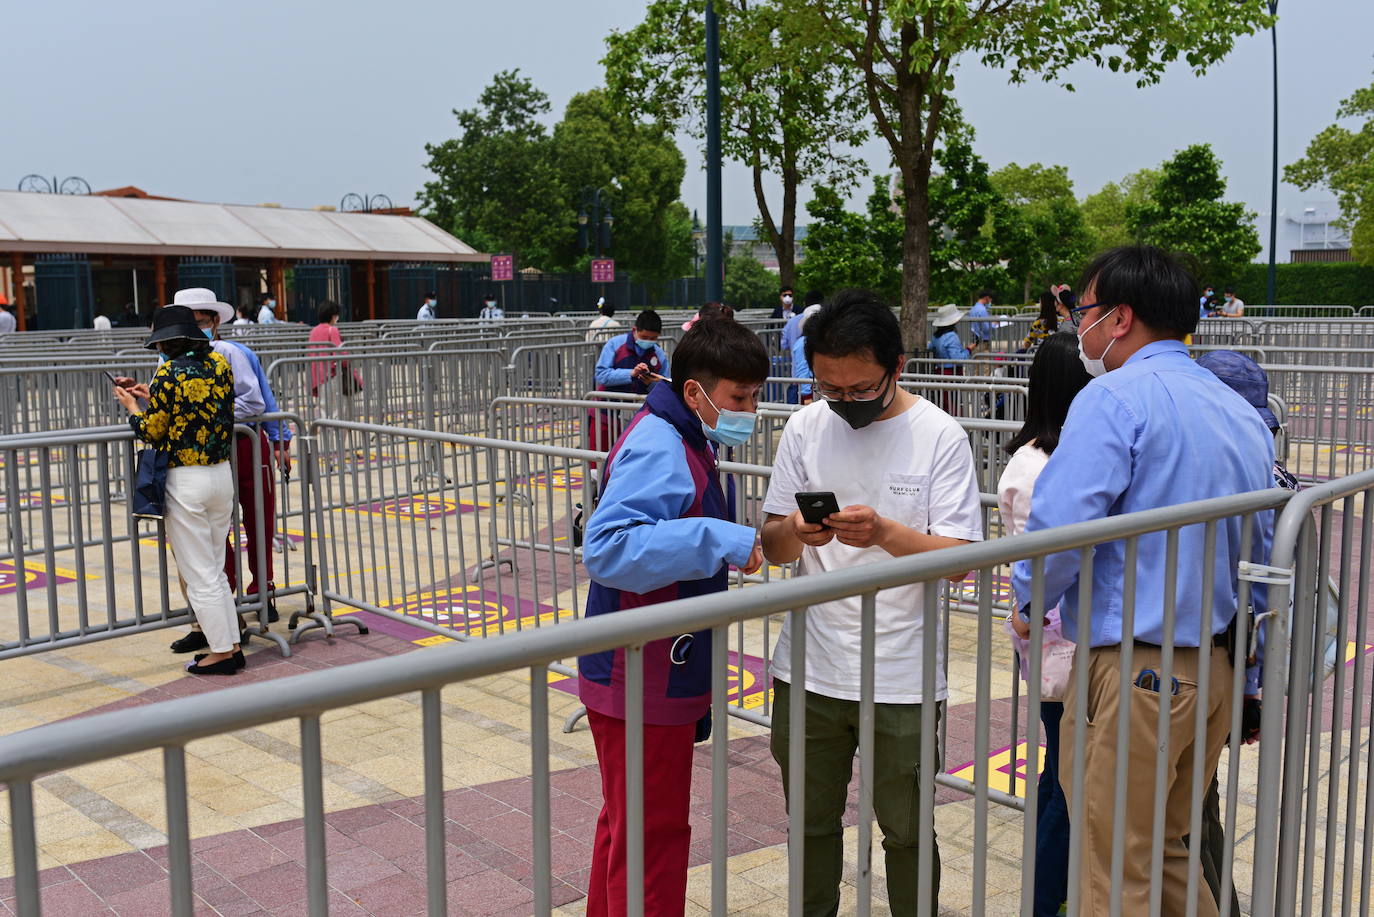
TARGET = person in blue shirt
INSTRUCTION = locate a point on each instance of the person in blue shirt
(792, 330)
(801, 368)
(944, 341)
(665, 529)
(629, 363)
(982, 331)
(1152, 429)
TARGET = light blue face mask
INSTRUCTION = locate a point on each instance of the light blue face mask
(733, 428)
(645, 346)
(208, 332)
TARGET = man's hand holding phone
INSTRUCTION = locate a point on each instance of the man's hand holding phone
(857, 526)
(809, 521)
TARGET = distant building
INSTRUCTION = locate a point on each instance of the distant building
(746, 240)
(1309, 235)
(70, 257)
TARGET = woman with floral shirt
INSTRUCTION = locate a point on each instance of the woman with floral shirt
(189, 414)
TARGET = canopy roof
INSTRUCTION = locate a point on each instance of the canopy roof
(32, 222)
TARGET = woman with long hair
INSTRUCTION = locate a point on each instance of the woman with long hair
(1045, 324)
(1056, 376)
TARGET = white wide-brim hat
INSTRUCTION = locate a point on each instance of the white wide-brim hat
(947, 314)
(199, 299)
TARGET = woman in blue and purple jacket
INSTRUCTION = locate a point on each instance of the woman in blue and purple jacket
(664, 529)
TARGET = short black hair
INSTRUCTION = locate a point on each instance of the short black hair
(648, 320)
(262, 298)
(717, 349)
(785, 289)
(985, 294)
(431, 295)
(606, 308)
(814, 297)
(1231, 290)
(327, 310)
(1056, 376)
(1161, 292)
(855, 322)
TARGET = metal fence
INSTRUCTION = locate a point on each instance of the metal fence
(1312, 841)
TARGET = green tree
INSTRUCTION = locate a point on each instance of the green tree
(748, 284)
(639, 169)
(847, 249)
(905, 52)
(1105, 211)
(1038, 226)
(787, 105)
(1185, 214)
(963, 254)
(497, 185)
(1343, 160)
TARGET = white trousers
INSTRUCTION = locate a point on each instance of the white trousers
(200, 504)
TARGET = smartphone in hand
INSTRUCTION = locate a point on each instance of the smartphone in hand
(816, 505)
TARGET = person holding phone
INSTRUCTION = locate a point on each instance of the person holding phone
(901, 476)
(665, 529)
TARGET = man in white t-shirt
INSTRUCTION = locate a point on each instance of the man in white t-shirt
(903, 476)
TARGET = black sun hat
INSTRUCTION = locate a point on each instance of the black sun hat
(172, 322)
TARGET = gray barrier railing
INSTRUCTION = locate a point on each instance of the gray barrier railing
(169, 726)
(104, 572)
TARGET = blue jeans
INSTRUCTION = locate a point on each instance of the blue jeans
(1051, 823)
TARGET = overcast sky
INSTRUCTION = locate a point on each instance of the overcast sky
(301, 102)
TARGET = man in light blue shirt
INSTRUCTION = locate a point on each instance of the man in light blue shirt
(982, 331)
(1153, 430)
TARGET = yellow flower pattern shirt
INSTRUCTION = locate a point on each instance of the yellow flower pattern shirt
(1038, 333)
(190, 413)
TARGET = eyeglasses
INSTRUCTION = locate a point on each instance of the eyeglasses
(871, 393)
(1075, 318)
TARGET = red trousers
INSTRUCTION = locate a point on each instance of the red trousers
(667, 833)
(250, 475)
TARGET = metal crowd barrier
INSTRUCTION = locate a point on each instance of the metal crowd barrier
(1319, 808)
(104, 572)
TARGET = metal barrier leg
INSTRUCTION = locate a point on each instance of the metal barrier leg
(570, 723)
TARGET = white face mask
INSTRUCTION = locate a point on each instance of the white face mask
(1095, 367)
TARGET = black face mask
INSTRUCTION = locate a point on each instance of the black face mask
(859, 414)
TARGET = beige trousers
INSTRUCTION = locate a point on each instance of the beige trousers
(1092, 833)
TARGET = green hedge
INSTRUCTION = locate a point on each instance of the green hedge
(1345, 284)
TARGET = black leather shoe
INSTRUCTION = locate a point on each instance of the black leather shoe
(193, 641)
(272, 616)
(239, 661)
(223, 667)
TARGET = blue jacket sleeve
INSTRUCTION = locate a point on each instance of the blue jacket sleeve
(800, 368)
(637, 540)
(1099, 434)
(606, 373)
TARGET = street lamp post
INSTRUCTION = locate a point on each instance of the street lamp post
(595, 216)
(715, 268)
(1274, 176)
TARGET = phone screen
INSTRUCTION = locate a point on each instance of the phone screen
(816, 506)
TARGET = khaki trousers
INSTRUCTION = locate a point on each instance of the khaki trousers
(1092, 833)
